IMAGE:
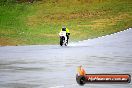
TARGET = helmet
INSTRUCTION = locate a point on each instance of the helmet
(63, 28)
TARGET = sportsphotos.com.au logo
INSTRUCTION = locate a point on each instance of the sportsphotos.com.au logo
(83, 78)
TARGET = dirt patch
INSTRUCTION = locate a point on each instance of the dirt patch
(101, 23)
(9, 41)
(61, 17)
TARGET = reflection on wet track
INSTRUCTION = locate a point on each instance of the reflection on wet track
(52, 66)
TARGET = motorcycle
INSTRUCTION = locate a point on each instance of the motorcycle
(63, 38)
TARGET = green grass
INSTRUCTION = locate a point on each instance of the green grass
(40, 22)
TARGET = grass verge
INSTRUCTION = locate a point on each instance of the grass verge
(40, 22)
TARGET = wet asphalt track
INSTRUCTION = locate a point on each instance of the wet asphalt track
(53, 66)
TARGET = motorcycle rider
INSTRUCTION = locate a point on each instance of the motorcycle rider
(67, 32)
